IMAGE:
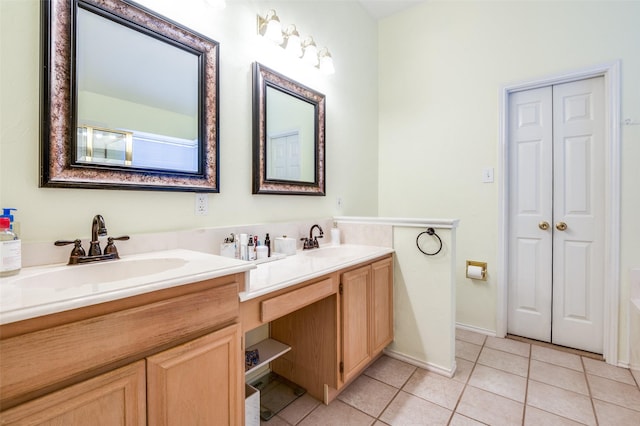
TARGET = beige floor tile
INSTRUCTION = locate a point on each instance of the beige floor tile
(614, 415)
(554, 356)
(561, 402)
(406, 409)
(299, 408)
(463, 370)
(505, 361)
(558, 376)
(535, 417)
(460, 420)
(499, 382)
(274, 421)
(489, 408)
(636, 375)
(368, 395)
(508, 345)
(615, 392)
(390, 371)
(336, 413)
(466, 350)
(602, 369)
(434, 388)
(470, 336)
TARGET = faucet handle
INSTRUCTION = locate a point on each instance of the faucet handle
(111, 247)
(307, 244)
(77, 249)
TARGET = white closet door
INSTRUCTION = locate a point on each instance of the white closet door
(531, 210)
(578, 203)
(556, 202)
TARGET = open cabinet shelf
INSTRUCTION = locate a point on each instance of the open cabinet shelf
(268, 350)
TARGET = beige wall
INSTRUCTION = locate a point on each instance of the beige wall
(441, 67)
(351, 135)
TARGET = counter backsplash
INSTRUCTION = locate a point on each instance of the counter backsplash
(208, 240)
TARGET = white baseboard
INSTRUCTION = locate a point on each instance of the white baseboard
(418, 363)
(475, 329)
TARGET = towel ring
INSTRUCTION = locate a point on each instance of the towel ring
(429, 231)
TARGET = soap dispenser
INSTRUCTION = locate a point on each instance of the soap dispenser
(14, 226)
(335, 235)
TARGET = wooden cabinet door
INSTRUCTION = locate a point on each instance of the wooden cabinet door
(197, 383)
(113, 398)
(381, 305)
(355, 321)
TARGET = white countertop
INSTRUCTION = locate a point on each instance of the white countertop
(44, 290)
(306, 265)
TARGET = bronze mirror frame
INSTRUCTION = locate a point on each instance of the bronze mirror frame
(264, 77)
(58, 101)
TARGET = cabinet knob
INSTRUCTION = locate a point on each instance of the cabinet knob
(544, 225)
(561, 226)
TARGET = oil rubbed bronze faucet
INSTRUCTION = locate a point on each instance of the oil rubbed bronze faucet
(312, 242)
(98, 229)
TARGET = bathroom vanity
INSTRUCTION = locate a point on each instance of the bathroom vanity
(170, 352)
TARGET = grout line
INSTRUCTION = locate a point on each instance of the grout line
(526, 388)
(466, 383)
(586, 379)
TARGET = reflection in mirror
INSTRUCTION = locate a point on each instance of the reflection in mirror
(129, 99)
(117, 80)
(290, 137)
(288, 145)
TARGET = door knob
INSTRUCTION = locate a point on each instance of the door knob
(561, 226)
(544, 225)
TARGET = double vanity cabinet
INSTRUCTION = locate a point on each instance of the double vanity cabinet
(175, 355)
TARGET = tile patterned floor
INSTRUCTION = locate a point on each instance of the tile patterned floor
(498, 382)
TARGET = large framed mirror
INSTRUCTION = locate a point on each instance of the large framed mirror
(288, 135)
(129, 99)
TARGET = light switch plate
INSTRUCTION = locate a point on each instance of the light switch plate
(487, 175)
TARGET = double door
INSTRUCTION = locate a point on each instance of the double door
(556, 214)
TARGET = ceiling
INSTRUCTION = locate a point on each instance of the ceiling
(383, 8)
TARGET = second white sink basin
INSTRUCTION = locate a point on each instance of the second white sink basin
(336, 252)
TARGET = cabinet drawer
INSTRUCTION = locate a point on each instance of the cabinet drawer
(37, 362)
(284, 304)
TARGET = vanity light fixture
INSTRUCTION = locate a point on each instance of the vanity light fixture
(270, 28)
(310, 50)
(292, 41)
(326, 61)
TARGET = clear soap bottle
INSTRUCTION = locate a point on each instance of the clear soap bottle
(10, 249)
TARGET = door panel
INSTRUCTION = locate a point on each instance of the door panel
(531, 182)
(578, 280)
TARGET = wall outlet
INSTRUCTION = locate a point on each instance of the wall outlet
(202, 204)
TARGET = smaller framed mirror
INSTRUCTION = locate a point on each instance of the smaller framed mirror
(288, 135)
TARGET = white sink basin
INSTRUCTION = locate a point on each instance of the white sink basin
(100, 273)
(336, 252)
(307, 265)
(49, 289)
